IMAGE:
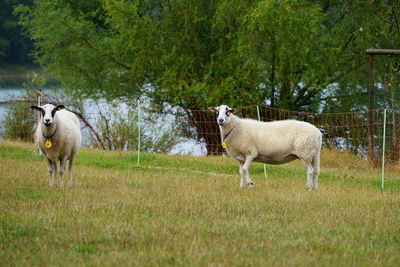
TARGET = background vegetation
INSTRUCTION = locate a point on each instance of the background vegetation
(19, 119)
(298, 55)
(15, 48)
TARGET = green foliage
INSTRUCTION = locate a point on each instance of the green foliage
(292, 54)
(285, 41)
(14, 48)
(352, 28)
(192, 53)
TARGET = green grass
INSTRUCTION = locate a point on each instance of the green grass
(180, 211)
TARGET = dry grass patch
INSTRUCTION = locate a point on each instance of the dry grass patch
(128, 216)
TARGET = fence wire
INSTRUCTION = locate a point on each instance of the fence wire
(181, 138)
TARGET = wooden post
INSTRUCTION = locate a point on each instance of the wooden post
(371, 106)
(39, 103)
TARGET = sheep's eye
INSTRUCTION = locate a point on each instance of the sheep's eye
(227, 113)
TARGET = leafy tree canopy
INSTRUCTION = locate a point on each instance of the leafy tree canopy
(14, 48)
(195, 54)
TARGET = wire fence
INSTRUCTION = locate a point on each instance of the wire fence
(154, 135)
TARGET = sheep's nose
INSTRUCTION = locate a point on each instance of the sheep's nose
(221, 121)
(47, 121)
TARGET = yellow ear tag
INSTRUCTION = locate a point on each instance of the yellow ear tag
(224, 144)
(48, 143)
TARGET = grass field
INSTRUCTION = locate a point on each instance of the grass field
(117, 214)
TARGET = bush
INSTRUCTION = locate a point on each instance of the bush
(116, 127)
(20, 119)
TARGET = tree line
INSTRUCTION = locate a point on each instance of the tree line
(14, 47)
(306, 55)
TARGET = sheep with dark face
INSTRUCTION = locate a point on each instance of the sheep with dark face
(58, 136)
(276, 142)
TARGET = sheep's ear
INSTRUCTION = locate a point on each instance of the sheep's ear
(34, 107)
(59, 107)
(233, 110)
(213, 110)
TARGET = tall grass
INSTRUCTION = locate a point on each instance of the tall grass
(180, 215)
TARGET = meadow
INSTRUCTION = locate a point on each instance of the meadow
(182, 214)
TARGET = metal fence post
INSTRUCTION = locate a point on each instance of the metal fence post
(383, 149)
(259, 119)
(138, 151)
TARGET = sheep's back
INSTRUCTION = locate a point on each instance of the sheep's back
(279, 136)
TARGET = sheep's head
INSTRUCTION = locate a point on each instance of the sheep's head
(48, 111)
(223, 114)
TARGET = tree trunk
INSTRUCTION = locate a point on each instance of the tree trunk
(272, 78)
(206, 129)
(371, 106)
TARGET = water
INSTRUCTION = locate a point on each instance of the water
(7, 94)
(186, 146)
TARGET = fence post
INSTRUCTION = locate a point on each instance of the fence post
(39, 103)
(383, 149)
(138, 151)
(259, 119)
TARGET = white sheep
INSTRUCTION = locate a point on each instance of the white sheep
(276, 142)
(58, 136)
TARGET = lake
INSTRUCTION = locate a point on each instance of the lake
(186, 146)
(7, 94)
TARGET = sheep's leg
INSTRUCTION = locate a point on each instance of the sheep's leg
(242, 174)
(51, 170)
(315, 163)
(71, 160)
(63, 162)
(246, 165)
(310, 172)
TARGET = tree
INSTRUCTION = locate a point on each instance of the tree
(14, 48)
(353, 27)
(188, 53)
(194, 54)
(286, 41)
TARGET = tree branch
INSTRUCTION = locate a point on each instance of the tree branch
(90, 127)
(113, 59)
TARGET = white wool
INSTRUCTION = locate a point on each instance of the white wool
(276, 142)
(65, 143)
